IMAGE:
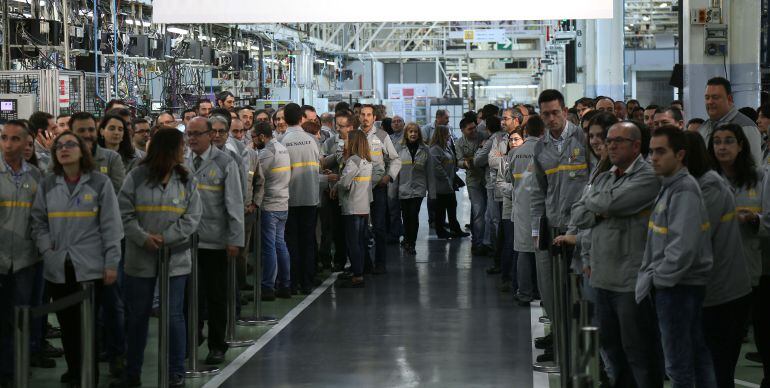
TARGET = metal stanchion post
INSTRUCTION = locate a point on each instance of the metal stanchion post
(232, 286)
(574, 320)
(585, 312)
(21, 346)
(562, 351)
(589, 341)
(257, 318)
(194, 370)
(163, 330)
(555, 316)
(87, 330)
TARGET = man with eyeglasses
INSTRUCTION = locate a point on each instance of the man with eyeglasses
(511, 121)
(141, 136)
(561, 173)
(616, 208)
(221, 227)
(220, 137)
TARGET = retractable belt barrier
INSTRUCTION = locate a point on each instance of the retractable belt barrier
(22, 318)
(164, 275)
(257, 318)
(194, 369)
(232, 295)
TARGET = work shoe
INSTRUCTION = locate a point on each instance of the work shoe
(176, 381)
(283, 293)
(51, 351)
(37, 360)
(544, 342)
(268, 294)
(52, 332)
(459, 234)
(118, 366)
(215, 357)
(522, 300)
(545, 357)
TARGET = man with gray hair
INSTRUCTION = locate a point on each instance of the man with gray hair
(616, 208)
(327, 126)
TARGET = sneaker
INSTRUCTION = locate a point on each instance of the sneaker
(268, 294)
(283, 293)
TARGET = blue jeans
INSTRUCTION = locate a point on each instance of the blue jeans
(629, 337)
(114, 317)
(680, 318)
(139, 295)
(379, 214)
(478, 198)
(17, 289)
(300, 239)
(508, 257)
(275, 255)
(492, 219)
(355, 240)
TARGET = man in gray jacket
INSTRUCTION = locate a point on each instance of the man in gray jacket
(221, 227)
(616, 208)
(560, 170)
(303, 199)
(20, 262)
(465, 149)
(722, 110)
(385, 167)
(677, 262)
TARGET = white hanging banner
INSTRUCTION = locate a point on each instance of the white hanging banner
(346, 11)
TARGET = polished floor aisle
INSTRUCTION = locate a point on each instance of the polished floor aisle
(436, 320)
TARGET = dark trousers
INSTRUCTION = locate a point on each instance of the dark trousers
(212, 296)
(500, 233)
(508, 257)
(340, 247)
(69, 319)
(379, 214)
(723, 328)
(628, 334)
(410, 210)
(760, 313)
(300, 239)
(446, 206)
(17, 289)
(355, 234)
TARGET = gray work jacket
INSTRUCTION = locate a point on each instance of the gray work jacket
(276, 167)
(305, 167)
(441, 171)
(221, 193)
(749, 129)
(384, 156)
(83, 225)
(498, 158)
(729, 278)
(353, 189)
(109, 162)
(482, 157)
(750, 200)
(256, 180)
(678, 248)
(617, 210)
(413, 178)
(561, 174)
(521, 174)
(16, 198)
(465, 149)
(173, 211)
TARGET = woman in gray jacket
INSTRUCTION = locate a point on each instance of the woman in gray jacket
(161, 207)
(76, 225)
(412, 182)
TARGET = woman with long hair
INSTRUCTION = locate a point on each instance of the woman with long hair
(726, 307)
(412, 182)
(31, 157)
(727, 300)
(76, 224)
(355, 194)
(440, 185)
(160, 206)
(114, 135)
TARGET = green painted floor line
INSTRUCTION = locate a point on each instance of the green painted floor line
(43, 378)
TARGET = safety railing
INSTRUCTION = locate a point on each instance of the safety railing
(256, 318)
(23, 315)
(194, 369)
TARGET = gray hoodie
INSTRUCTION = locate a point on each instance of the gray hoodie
(678, 247)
